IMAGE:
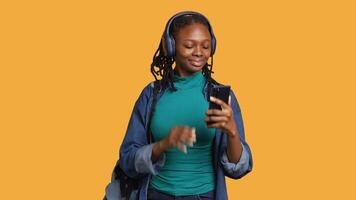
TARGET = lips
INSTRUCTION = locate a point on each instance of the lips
(197, 63)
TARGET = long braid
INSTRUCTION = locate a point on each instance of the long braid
(164, 65)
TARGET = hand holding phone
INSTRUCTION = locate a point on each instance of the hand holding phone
(220, 92)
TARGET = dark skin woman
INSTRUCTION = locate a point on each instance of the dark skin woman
(176, 145)
(193, 49)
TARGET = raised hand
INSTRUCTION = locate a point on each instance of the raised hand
(223, 119)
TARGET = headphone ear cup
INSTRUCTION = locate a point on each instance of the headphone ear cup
(167, 44)
(173, 47)
(164, 46)
(213, 45)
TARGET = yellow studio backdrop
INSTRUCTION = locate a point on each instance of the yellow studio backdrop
(71, 72)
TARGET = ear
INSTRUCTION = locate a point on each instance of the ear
(229, 100)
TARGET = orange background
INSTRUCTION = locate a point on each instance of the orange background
(72, 70)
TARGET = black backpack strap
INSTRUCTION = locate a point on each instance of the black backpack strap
(156, 89)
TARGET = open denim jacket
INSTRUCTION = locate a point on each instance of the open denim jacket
(135, 150)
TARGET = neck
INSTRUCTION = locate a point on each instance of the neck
(180, 73)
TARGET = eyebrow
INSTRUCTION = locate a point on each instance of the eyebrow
(196, 40)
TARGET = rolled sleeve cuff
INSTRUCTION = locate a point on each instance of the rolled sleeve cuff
(236, 169)
(143, 162)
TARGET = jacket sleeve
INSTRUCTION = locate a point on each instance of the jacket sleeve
(245, 164)
(135, 152)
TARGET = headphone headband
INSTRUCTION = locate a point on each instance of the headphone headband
(168, 42)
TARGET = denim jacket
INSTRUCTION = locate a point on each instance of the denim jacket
(135, 150)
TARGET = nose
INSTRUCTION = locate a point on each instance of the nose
(197, 52)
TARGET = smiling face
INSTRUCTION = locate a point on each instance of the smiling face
(193, 49)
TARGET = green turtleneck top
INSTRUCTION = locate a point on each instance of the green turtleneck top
(191, 173)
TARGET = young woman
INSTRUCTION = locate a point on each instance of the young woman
(186, 158)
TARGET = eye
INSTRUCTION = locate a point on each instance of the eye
(206, 45)
(188, 46)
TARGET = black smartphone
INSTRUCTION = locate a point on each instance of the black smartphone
(221, 92)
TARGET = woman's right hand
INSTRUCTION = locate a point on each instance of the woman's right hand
(180, 137)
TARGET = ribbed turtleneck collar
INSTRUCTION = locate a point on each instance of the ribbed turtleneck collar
(195, 80)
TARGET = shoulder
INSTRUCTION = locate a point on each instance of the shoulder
(148, 90)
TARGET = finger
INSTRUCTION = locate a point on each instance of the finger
(194, 137)
(182, 147)
(216, 119)
(216, 112)
(218, 101)
(191, 137)
(186, 139)
(216, 125)
(182, 131)
(185, 136)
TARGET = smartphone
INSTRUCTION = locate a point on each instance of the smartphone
(221, 92)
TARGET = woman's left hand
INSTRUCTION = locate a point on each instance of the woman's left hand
(223, 119)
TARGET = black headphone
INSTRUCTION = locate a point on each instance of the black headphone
(167, 40)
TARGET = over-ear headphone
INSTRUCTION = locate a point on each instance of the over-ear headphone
(167, 41)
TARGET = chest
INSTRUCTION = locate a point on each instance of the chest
(186, 107)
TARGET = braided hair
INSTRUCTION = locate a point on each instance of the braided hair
(164, 64)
